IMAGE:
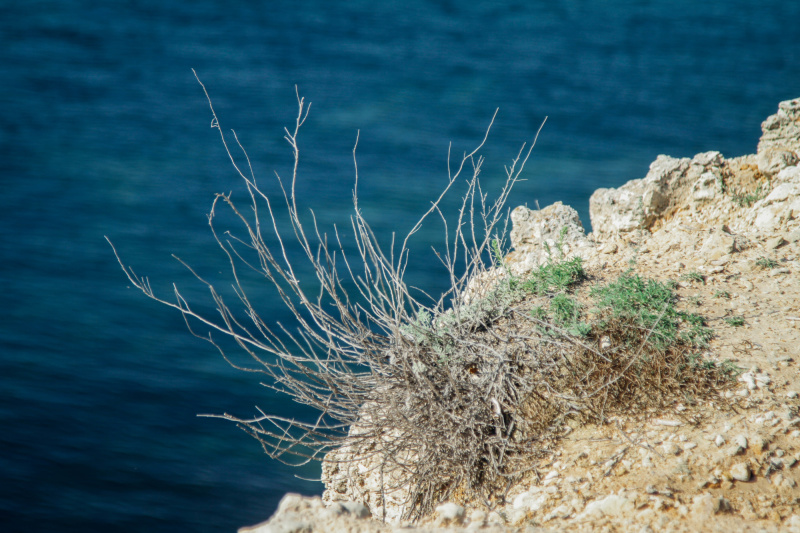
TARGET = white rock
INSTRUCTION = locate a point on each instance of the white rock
(762, 380)
(670, 448)
(734, 450)
(748, 379)
(705, 188)
(705, 505)
(781, 136)
(450, 513)
(719, 440)
(529, 501)
(774, 161)
(789, 174)
(605, 343)
(740, 472)
(537, 235)
(280, 526)
(357, 509)
(612, 505)
(639, 203)
(477, 518)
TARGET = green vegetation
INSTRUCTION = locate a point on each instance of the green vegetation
(554, 277)
(649, 305)
(743, 199)
(722, 294)
(766, 263)
(735, 321)
(730, 369)
(694, 276)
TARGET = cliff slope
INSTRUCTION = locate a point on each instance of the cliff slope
(728, 231)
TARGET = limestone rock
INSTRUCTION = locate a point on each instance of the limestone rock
(300, 514)
(360, 471)
(779, 146)
(779, 207)
(450, 514)
(705, 213)
(612, 505)
(554, 232)
(740, 472)
(718, 244)
(705, 505)
(669, 183)
(530, 501)
(637, 203)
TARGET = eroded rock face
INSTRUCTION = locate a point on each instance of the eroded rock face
(670, 182)
(301, 514)
(550, 233)
(362, 471)
(779, 146)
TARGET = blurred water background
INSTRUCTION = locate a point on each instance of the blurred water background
(105, 131)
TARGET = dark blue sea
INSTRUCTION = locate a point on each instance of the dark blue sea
(105, 131)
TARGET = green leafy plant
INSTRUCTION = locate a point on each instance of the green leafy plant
(730, 369)
(566, 314)
(766, 263)
(734, 321)
(554, 277)
(650, 305)
(745, 199)
(694, 276)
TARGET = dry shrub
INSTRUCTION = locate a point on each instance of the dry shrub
(444, 400)
(358, 355)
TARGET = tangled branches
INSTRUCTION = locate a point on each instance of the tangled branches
(372, 363)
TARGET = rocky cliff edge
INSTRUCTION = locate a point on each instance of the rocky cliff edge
(728, 230)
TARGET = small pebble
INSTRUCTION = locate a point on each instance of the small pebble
(734, 450)
(670, 448)
(758, 443)
(450, 512)
(740, 472)
(719, 440)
